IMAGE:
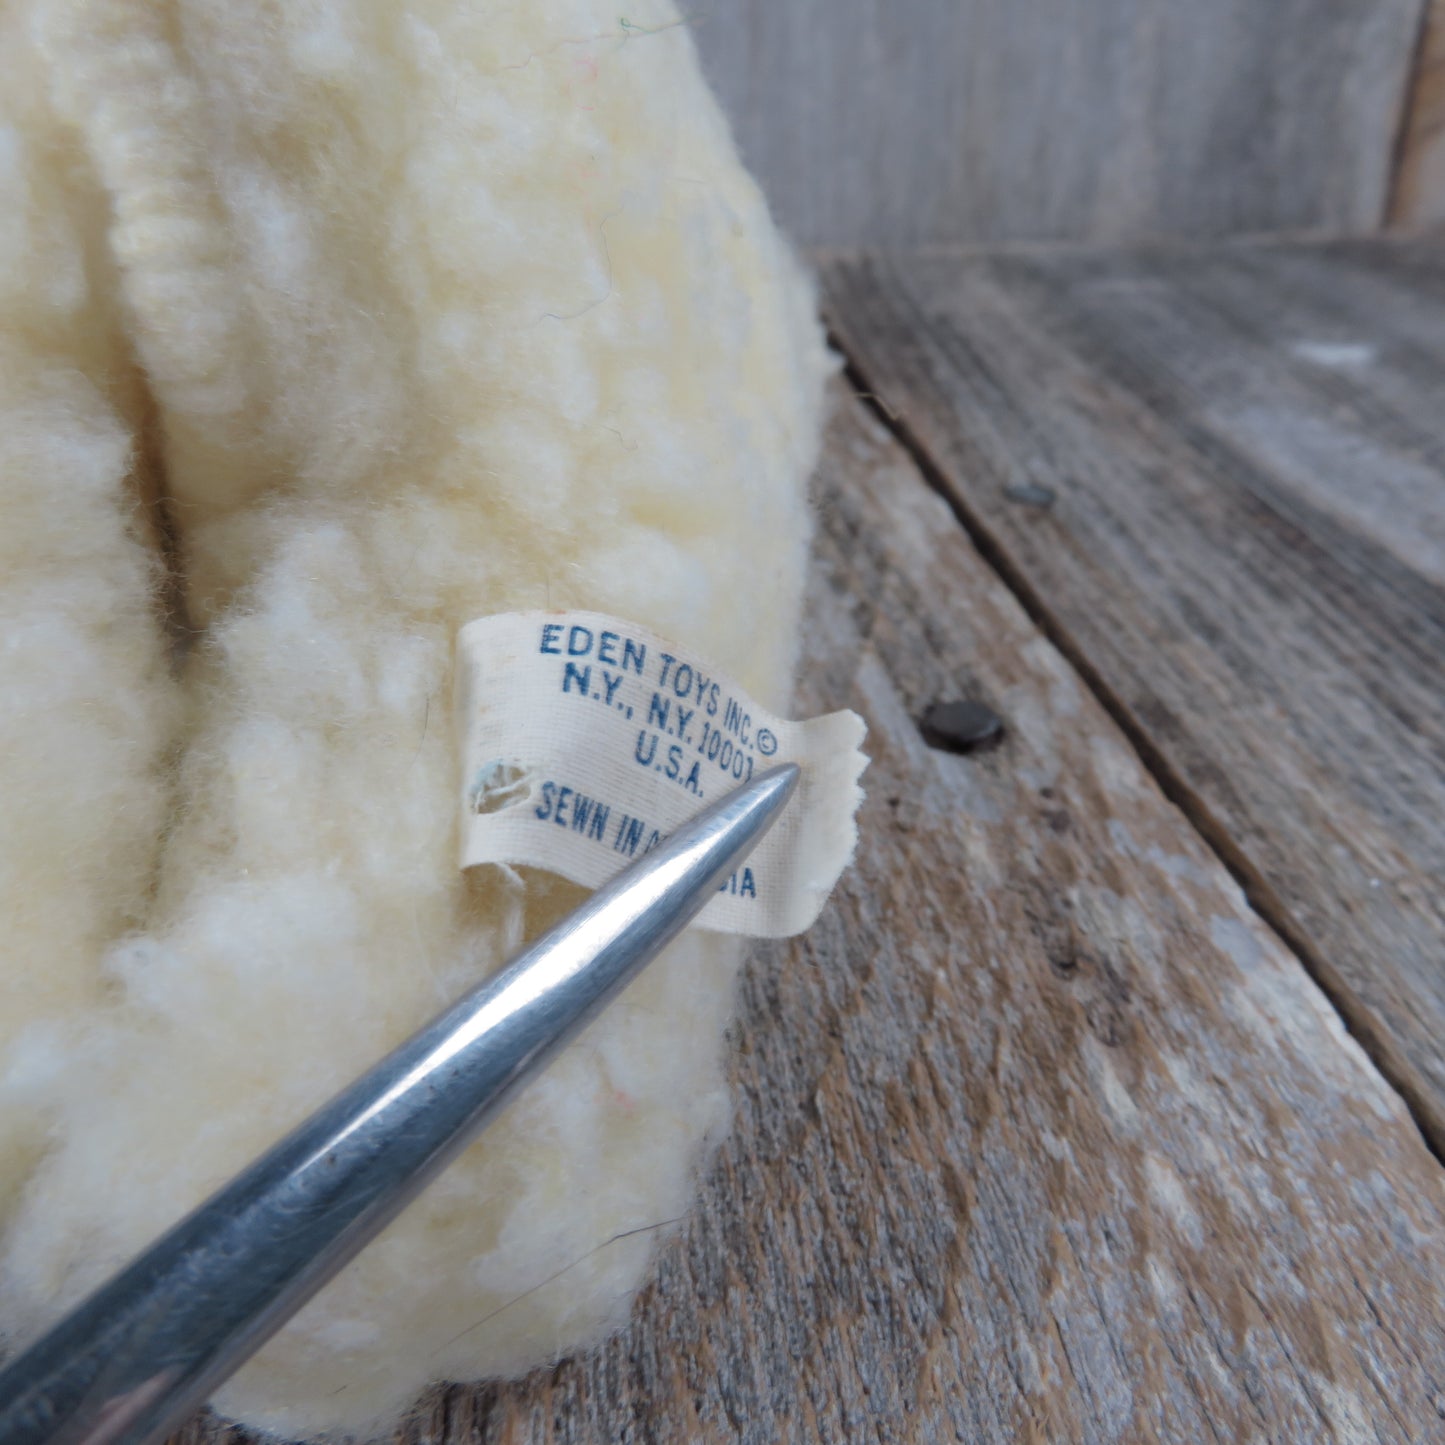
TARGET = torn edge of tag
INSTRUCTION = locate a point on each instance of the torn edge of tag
(586, 740)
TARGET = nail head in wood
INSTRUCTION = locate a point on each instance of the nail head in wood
(961, 727)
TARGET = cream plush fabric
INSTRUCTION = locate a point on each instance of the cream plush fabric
(413, 311)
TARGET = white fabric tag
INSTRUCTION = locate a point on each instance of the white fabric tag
(586, 740)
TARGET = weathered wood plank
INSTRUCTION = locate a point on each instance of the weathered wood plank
(902, 122)
(1248, 454)
(1418, 193)
(1041, 1135)
(1328, 365)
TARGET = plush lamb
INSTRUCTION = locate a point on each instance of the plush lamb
(325, 327)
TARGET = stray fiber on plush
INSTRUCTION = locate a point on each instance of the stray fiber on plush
(427, 310)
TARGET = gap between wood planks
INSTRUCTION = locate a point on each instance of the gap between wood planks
(1261, 897)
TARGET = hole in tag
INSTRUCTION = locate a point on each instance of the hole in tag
(500, 785)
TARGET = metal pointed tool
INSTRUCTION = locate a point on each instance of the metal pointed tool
(131, 1362)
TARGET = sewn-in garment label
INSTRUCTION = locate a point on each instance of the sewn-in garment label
(586, 740)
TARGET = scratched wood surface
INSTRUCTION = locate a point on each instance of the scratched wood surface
(1246, 551)
(904, 122)
(1041, 1133)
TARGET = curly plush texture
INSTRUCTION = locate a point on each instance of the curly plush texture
(422, 310)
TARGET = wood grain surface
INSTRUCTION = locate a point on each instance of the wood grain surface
(902, 122)
(1246, 553)
(1041, 1133)
(1418, 196)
